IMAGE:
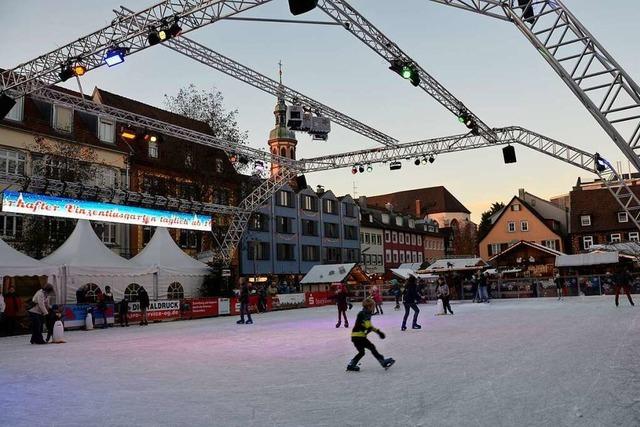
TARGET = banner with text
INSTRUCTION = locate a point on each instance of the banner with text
(158, 310)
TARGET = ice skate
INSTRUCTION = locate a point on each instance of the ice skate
(249, 322)
(353, 367)
(416, 326)
(338, 324)
(403, 328)
(240, 322)
(386, 363)
(346, 324)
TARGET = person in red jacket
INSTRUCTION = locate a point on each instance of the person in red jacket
(377, 298)
(13, 307)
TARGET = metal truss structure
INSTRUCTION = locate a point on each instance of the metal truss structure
(213, 59)
(587, 68)
(123, 32)
(359, 26)
(79, 190)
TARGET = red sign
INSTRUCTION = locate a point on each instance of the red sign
(316, 299)
(200, 307)
(235, 305)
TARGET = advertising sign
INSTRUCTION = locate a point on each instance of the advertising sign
(38, 204)
(200, 307)
(158, 310)
(316, 299)
(283, 301)
(74, 315)
(224, 306)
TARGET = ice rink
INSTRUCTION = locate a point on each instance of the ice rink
(508, 363)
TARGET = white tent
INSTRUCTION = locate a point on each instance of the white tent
(593, 258)
(16, 264)
(83, 259)
(455, 264)
(173, 265)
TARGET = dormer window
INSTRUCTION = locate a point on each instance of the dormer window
(17, 112)
(62, 118)
(585, 220)
(622, 217)
(399, 221)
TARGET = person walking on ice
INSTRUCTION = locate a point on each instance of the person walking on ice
(559, 281)
(359, 337)
(623, 281)
(409, 299)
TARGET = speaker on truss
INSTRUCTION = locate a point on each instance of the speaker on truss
(509, 154)
(6, 104)
(301, 182)
(298, 7)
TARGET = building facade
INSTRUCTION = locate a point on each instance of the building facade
(519, 221)
(596, 217)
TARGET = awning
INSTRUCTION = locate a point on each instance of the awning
(581, 260)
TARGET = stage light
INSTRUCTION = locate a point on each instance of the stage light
(395, 165)
(175, 29)
(233, 158)
(150, 137)
(79, 70)
(406, 70)
(6, 104)
(65, 73)
(417, 161)
(601, 164)
(156, 36)
(115, 56)
(432, 159)
(354, 169)
(369, 168)
(509, 154)
(361, 168)
(128, 134)
(71, 69)
(424, 160)
(298, 7)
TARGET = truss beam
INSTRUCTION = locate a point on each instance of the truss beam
(123, 32)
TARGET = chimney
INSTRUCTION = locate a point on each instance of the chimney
(320, 189)
(521, 193)
(362, 201)
(418, 208)
(388, 206)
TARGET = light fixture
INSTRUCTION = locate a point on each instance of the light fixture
(417, 161)
(354, 169)
(165, 32)
(154, 37)
(360, 168)
(298, 7)
(509, 154)
(175, 29)
(424, 160)
(406, 70)
(70, 69)
(233, 158)
(432, 159)
(128, 133)
(150, 137)
(395, 165)
(258, 166)
(601, 164)
(115, 56)
(369, 168)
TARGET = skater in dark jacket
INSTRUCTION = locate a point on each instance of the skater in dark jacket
(124, 311)
(341, 301)
(244, 303)
(623, 281)
(359, 337)
(442, 290)
(143, 298)
(409, 299)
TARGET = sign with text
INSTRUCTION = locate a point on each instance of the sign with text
(158, 310)
(38, 204)
(200, 307)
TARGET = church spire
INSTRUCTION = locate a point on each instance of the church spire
(282, 141)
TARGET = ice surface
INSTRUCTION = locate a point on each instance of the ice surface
(508, 363)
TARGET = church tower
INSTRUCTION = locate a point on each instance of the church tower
(282, 141)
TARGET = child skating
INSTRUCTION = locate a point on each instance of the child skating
(359, 337)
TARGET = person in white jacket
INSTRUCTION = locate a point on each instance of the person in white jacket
(38, 311)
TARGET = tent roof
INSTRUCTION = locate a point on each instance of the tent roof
(15, 263)
(624, 248)
(455, 264)
(405, 273)
(410, 266)
(593, 258)
(531, 245)
(84, 251)
(162, 251)
(328, 273)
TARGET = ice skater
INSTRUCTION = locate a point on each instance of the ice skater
(341, 295)
(124, 312)
(377, 298)
(623, 281)
(409, 299)
(244, 303)
(359, 337)
(442, 290)
(483, 287)
(397, 293)
(559, 285)
(38, 312)
(143, 299)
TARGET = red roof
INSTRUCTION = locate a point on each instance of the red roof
(432, 200)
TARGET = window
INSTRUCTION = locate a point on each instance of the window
(310, 253)
(380, 260)
(412, 223)
(395, 256)
(106, 130)
(367, 238)
(189, 239)
(524, 225)
(413, 239)
(402, 256)
(420, 257)
(331, 230)
(350, 210)
(153, 149)
(350, 255)
(147, 233)
(387, 255)
(551, 244)
(62, 118)
(399, 221)
(175, 291)
(494, 249)
(622, 217)
(515, 207)
(401, 238)
(634, 236)
(419, 240)
(394, 237)
(362, 237)
(284, 225)
(615, 238)
(511, 227)
(309, 203)
(309, 227)
(407, 238)
(387, 236)
(12, 162)
(90, 291)
(378, 239)
(585, 220)
(219, 166)
(330, 206)
(10, 226)
(351, 232)
(414, 256)
(131, 292)
(109, 233)
(284, 198)
(587, 241)
(331, 255)
(259, 222)
(385, 218)
(17, 112)
(258, 251)
(366, 259)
